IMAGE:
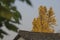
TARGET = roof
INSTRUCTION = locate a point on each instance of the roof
(37, 35)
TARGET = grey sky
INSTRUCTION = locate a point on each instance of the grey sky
(28, 13)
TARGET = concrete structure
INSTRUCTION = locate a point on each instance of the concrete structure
(25, 35)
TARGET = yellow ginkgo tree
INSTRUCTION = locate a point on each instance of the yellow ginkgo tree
(45, 21)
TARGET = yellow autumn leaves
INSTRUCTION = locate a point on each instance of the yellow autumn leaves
(45, 20)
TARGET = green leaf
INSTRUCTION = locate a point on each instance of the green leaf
(6, 15)
(1, 36)
(14, 21)
(12, 1)
(28, 2)
(7, 2)
(0, 24)
(1, 19)
(11, 26)
(13, 8)
(17, 16)
(3, 32)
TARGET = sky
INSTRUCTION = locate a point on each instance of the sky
(29, 13)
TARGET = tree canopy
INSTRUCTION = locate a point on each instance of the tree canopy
(7, 13)
(45, 21)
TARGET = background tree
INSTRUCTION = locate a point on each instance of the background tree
(7, 13)
(45, 21)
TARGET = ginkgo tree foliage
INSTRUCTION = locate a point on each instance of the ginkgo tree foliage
(8, 15)
(45, 22)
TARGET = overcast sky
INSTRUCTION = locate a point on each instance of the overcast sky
(28, 13)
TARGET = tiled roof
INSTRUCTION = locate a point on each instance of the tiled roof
(37, 35)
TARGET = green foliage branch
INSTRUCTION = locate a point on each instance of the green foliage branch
(7, 13)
